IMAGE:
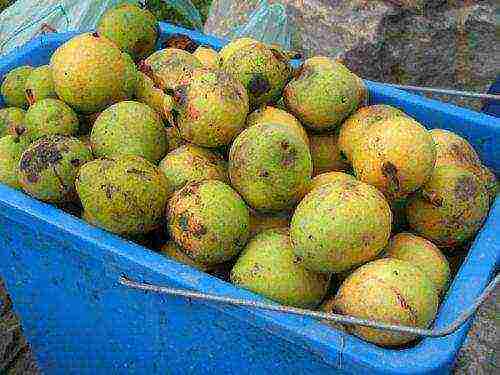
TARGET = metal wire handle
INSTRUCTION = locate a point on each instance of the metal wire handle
(345, 319)
(433, 90)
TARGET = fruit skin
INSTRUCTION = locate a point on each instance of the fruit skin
(264, 221)
(231, 48)
(340, 225)
(48, 168)
(174, 251)
(391, 291)
(450, 207)
(170, 67)
(269, 114)
(10, 154)
(12, 88)
(357, 126)
(267, 266)
(322, 94)
(264, 71)
(207, 56)
(451, 149)
(192, 163)
(10, 119)
(125, 195)
(48, 117)
(211, 109)
(40, 85)
(129, 128)
(90, 73)
(397, 157)
(147, 93)
(423, 254)
(328, 177)
(325, 154)
(133, 29)
(209, 220)
(174, 139)
(270, 167)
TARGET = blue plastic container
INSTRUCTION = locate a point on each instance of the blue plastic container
(63, 274)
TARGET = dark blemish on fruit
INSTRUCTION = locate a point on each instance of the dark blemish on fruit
(183, 223)
(256, 269)
(110, 190)
(396, 273)
(198, 230)
(390, 172)
(180, 95)
(20, 130)
(311, 237)
(142, 174)
(289, 157)
(259, 85)
(465, 188)
(432, 198)
(30, 96)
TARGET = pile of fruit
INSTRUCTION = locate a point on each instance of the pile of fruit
(234, 161)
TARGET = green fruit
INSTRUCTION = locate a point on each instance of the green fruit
(450, 207)
(48, 117)
(174, 251)
(12, 88)
(340, 225)
(270, 167)
(322, 96)
(263, 221)
(236, 45)
(40, 85)
(211, 109)
(129, 128)
(209, 220)
(192, 163)
(207, 56)
(268, 266)
(325, 153)
(10, 154)
(10, 119)
(133, 29)
(264, 71)
(170, 67)
(357, 126)
(90, 73)
(391, 291)
(451, 149)
(397, 157)
(268, 114)
(422, 254)
(48, 168)
(328, 177)
(125, 195)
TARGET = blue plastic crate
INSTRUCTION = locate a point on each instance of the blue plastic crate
(63, 274)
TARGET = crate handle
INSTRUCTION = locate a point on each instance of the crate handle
(345, 319)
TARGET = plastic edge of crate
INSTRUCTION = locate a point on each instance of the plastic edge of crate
(439, 352)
